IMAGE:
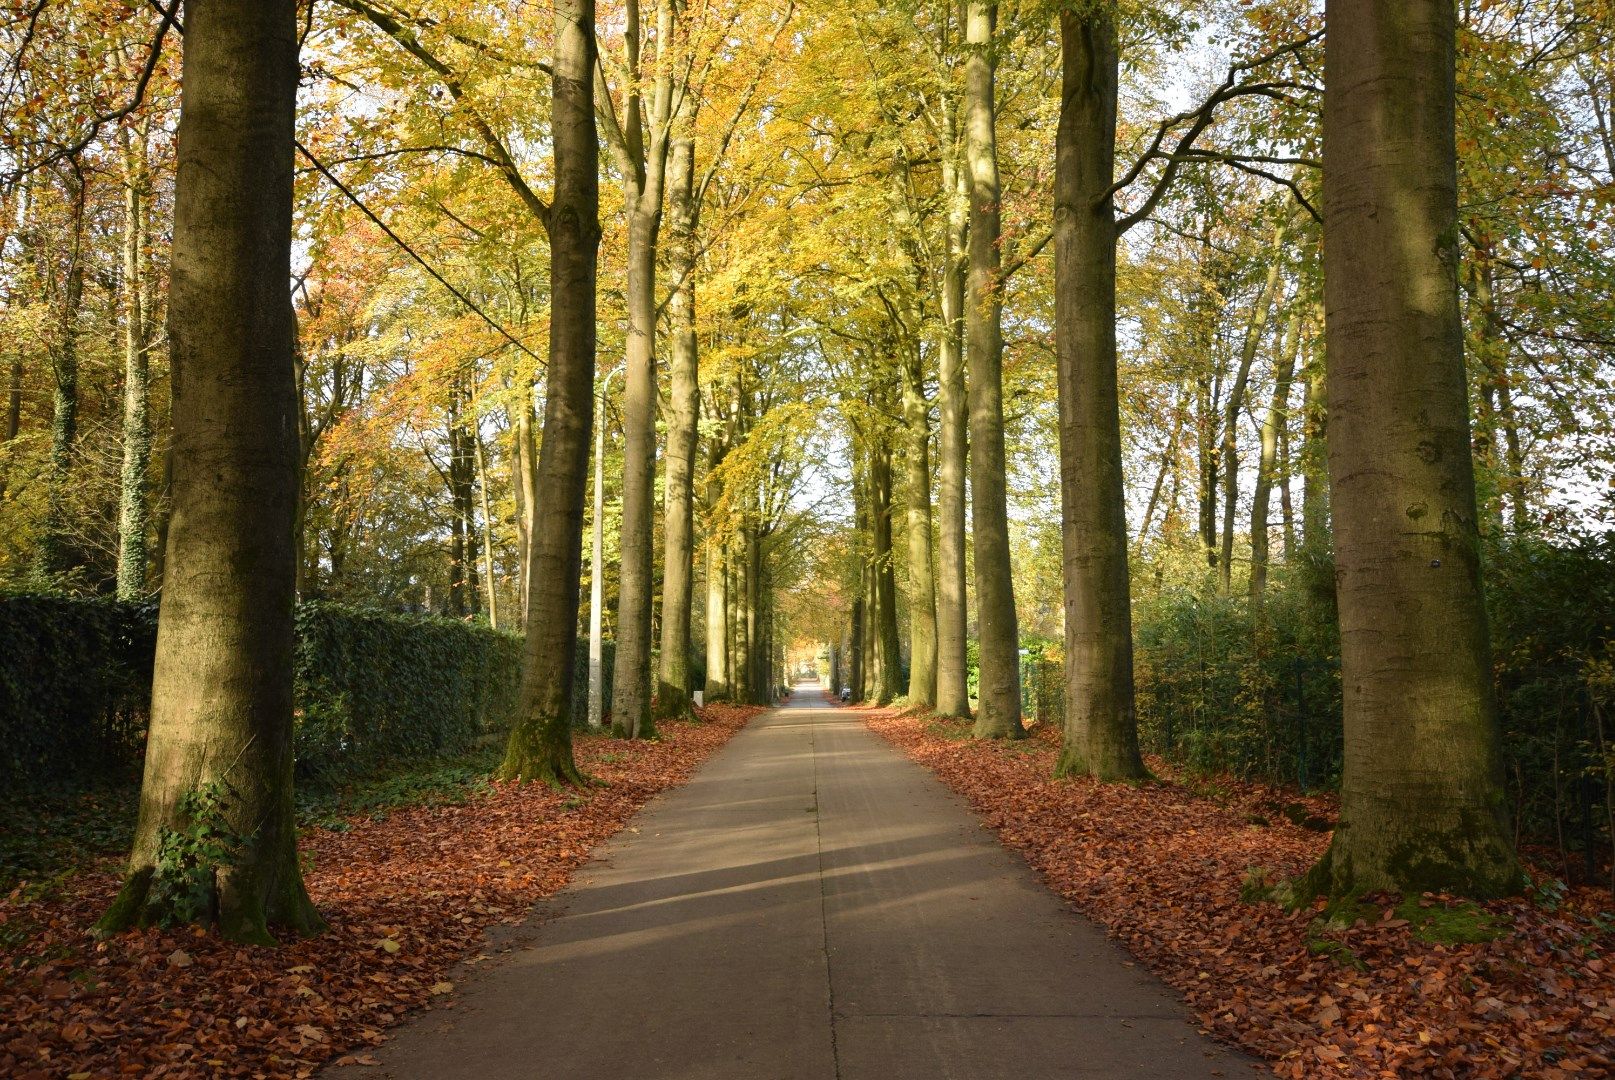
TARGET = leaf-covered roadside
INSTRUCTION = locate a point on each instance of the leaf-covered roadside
(1163, 868)
(407, 898)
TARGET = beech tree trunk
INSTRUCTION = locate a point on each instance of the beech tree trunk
(952, 666)
(678, 541)
(540, 746)
(888, 656)
(999, 714)
(921, 577)
(717, 681)
(1422, 801)
(1101, 729)
(219, 749)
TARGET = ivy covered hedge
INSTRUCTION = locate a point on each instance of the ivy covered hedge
(75, 686)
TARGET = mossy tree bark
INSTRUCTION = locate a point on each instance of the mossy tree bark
(1101, 730)
(999, 713)
(221, 719)
(1422, 803)
(134, 517)
(540, 746)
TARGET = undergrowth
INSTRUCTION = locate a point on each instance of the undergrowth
(50, 835)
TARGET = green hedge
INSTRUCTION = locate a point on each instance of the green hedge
(75, 686)
(1224, 689)
(378, 685)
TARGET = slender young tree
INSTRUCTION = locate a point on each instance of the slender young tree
(1422, 802)
(133, 512)
(999, 716)
(540, 746)
(1101, 731)
(219, 750)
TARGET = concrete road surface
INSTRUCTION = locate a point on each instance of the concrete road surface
(812, 905)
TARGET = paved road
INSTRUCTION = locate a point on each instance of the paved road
(812, 905)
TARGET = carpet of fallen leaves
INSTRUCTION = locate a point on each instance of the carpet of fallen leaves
(407, 897)
(1161, 867)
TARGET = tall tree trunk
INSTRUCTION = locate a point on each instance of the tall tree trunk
(56, 549)
(952, 666)
(855, 647)
(921, 577)
(718, 669)
(756, 685)
(1315, 538)
(1255, 328)
(597, 573)
(684, 411)
(1101, 730)
(219, 749)
(999, 716)
(1422, 800)
(888, 656)
(1206, 447)
(481, 458)
(1498, 398)
(524, 461)
(133, 511)
(739, 673)
(644, 177)
(540, 746)
(1274, 421)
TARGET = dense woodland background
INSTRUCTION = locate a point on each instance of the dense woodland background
(813, 222)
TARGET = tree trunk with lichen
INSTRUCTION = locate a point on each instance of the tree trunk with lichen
(540, 745)
(1422, 801)
(216, 842)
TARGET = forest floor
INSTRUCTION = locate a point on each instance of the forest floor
(408, 874)
(1174, 869)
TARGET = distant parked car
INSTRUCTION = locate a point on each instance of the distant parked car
(846, 693)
